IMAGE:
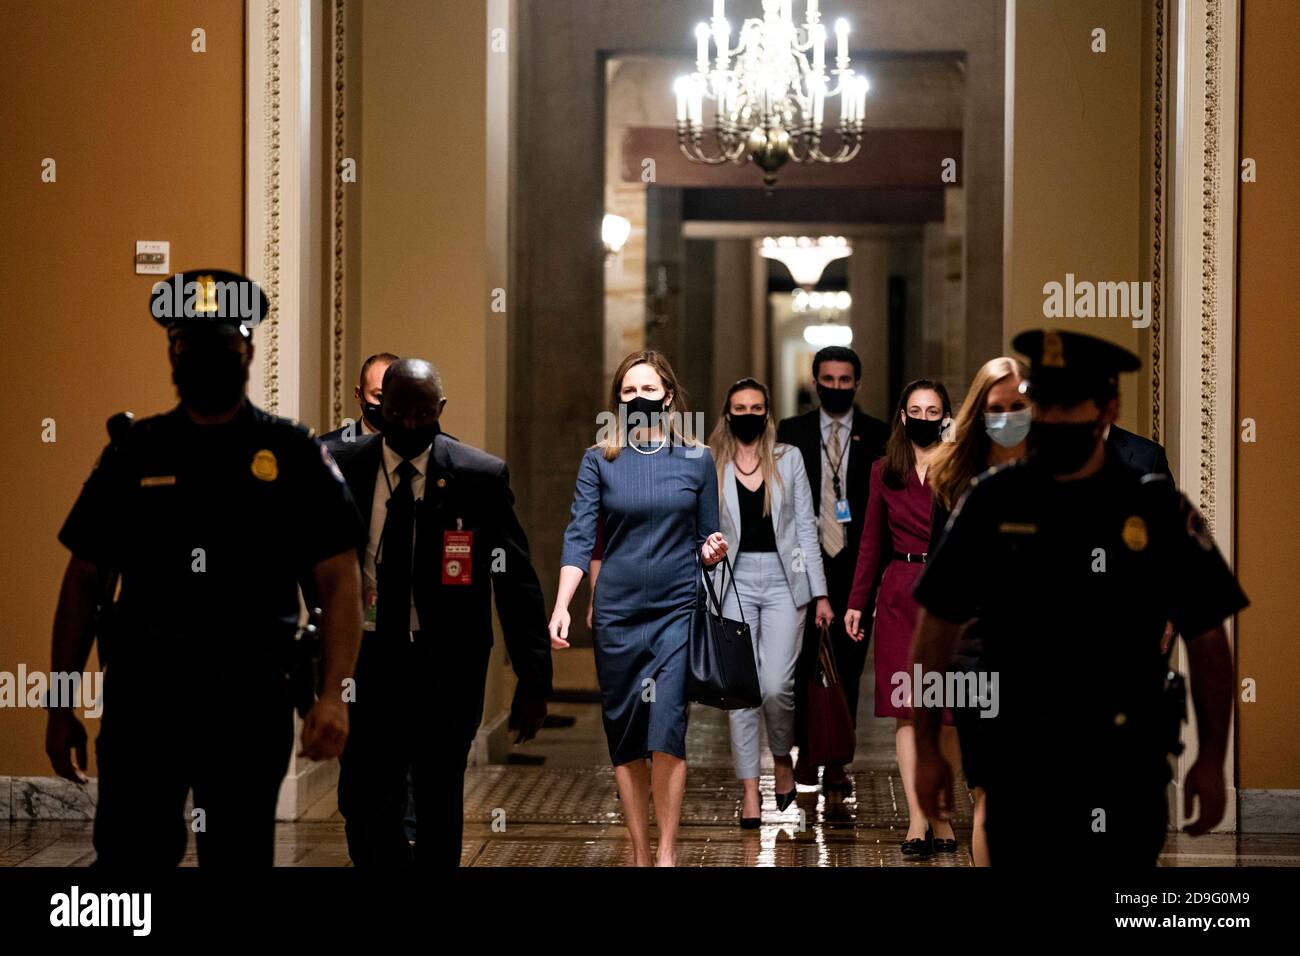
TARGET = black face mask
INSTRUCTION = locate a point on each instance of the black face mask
(1063, 447)
(210, 380)
(923, 431)
(373, 413)
(642, 412)
(746, 427)
(409, 442)
(836, 401)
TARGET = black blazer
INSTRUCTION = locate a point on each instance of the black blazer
(866, 444)
(469, 485)
(1137, 452)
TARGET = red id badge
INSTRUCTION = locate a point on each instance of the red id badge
(457, 555)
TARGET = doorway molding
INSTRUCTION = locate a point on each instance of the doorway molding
(294, 372)
(1200, 327)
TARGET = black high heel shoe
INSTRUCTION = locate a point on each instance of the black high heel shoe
(784, 800)
(750, 823)
(921, 848)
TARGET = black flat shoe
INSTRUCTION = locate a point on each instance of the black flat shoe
(945, 846)
(784, 800)
(921, 848)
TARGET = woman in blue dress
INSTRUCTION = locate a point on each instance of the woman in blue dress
(656, 488)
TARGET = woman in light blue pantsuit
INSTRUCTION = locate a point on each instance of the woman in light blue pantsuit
(766, 517)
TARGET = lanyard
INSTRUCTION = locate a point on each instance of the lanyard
(835, 470)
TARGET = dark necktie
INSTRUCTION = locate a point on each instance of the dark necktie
(393, 615)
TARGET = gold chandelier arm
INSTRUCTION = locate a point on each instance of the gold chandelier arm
(695, 153)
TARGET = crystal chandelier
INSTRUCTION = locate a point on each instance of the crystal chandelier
(805, 257)
(770, 91)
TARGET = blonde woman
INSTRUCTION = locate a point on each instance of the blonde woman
(991, 430)
(656, 491)
(768, 522)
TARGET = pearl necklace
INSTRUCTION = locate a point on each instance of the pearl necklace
(662, 446)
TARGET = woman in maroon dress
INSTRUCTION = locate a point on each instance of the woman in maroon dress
(895, 541)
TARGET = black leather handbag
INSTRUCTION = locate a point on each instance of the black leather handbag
(722, 669)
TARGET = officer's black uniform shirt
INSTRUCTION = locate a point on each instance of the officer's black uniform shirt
(1074, 644)
(211, 527)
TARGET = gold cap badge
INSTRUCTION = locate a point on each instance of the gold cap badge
(1053, 351)
(265, 467)
(206, 300)
(1134, 533)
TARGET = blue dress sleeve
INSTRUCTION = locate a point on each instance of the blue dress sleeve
(580, 535)
(706, 514)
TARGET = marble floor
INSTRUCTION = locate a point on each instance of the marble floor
(557, 801)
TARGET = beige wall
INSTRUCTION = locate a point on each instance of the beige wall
(1268, 521)
(424, 289)
(1075, 165)
(424, 239)
(149, 142)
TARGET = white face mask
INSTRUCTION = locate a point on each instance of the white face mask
(1008, 429)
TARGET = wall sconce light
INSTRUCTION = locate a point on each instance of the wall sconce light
(614, 231)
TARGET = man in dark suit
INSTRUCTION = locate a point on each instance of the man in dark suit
(369, 394)
(838, 444)
(442, 538)
(1137, 452)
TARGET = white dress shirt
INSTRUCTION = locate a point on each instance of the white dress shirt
(379, 512)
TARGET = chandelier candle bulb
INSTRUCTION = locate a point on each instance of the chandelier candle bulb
(719, 10)
(769, 93)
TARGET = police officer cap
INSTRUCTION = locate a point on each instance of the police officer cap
(1069, 367)
(211, 300)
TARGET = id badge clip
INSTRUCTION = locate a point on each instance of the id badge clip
(842, 513)
(457, 557)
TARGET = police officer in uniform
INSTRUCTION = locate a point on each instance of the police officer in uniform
(210, 514)
(1073, 562)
